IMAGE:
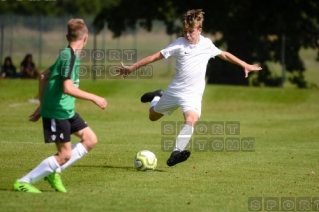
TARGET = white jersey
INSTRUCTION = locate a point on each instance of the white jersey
(191, 64)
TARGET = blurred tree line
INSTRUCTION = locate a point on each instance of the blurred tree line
(254, 31)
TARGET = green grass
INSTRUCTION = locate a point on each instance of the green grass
(284, 123)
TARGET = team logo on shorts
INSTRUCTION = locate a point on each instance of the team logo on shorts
(53, 137)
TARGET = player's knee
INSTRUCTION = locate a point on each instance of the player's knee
(94, 140)
(65, 157)
(191, 121)
(91, 141)
(153, 118)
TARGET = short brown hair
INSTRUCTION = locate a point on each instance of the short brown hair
(193, 18)
(76, 29)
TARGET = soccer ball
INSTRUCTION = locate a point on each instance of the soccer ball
(145, 161)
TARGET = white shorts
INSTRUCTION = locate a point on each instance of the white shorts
(168, 104)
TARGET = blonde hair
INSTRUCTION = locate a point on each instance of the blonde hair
(193, 18)
(76, 29)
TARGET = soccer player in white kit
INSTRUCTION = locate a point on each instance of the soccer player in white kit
(192, 53)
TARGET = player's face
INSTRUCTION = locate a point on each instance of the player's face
(192, 34)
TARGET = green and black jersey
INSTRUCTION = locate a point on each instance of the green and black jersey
(56, 104)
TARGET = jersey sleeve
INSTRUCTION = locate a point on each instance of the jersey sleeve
(214, 50)
(172, 49)
(66, 64)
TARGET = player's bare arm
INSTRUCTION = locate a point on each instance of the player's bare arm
(126, 70)
(233, 59)
(70, 89)
(44, 78)
(43, 81)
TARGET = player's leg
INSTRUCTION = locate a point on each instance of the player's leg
(190, 117)
(88, 141)
(153, 115)
(149, 96)
(186, 132)
(191, 112)
(46, 167)
(88, 137)
(153, 98)
(64, 152)
(52, 132)
(179, 154)
(58, 131)
(161, 104)
(63, 156)
(79, 149)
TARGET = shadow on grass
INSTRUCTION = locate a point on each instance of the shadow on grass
(128, 168)
(6, 189)
(20, 192)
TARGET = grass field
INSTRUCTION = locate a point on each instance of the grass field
(284, 123)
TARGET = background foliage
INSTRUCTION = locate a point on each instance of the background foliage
(251, 30)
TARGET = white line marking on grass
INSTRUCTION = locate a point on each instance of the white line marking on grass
(31, 101)
(17, 104)
(19, 142)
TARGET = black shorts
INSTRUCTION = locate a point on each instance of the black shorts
(56, 130)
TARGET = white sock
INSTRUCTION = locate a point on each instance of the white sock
(78, 151)
(154, 101)
(45, 168)
(183, 137)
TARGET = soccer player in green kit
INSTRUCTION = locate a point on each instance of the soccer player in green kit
(58, 90)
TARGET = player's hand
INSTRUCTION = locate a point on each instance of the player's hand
(124, 70)
(99, 101)
(248, 68)
(35, 115)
